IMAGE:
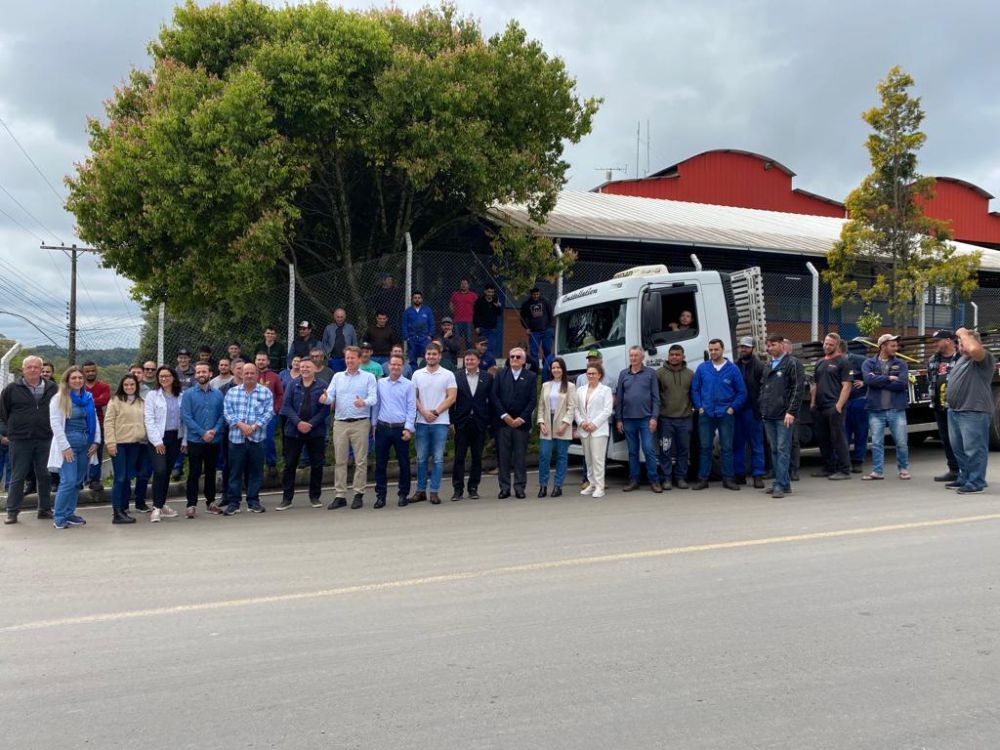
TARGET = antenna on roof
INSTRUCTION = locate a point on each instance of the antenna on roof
(638, 143)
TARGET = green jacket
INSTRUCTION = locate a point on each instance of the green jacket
(675, 391)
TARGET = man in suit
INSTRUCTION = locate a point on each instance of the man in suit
(470, 416)
(514, 402)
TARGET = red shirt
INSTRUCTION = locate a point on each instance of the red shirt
(101, 392)
(270, 380)
(461, 306)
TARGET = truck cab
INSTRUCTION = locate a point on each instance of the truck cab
(646, 306)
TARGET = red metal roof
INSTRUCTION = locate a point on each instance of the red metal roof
(967, 208)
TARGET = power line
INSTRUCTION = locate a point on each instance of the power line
(21, 225)
(31, 215)
(28, 157)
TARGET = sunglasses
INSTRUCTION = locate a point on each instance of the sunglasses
(149, 369)
(517, 356)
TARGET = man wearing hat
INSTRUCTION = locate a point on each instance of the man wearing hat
(185, 371)
(451, 344)
(938, 368)
(537, 318)
(367, 364)
(887, 378)
(487, 362)
(593, 357)
(748, 428)
(303, 342)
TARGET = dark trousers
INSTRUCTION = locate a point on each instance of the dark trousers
(831, 434)
(144, 472)
(245, 457)
(389, 439)
(941, 417)
(25, 455)
(512, 452)
(857, 429)
(202, 457)
(293, 447)
(163, 463)
(469, 437)
(675, 448)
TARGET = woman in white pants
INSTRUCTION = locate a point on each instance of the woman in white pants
(594, 405)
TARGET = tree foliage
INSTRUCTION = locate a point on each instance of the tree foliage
(889, 239)
(522, 257)
(316, 136)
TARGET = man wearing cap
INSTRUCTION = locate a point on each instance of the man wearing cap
(418, 328)
(748, 428)
(828, 401)
(451, 344)
(367, 364)
(938, 368)
(537, 318)
(303, 342)
(970, 409)
(594, 356)
(780, 400)
(487, 362)
(676, 417)
(887, 379)
(185, 372)
(336, 336)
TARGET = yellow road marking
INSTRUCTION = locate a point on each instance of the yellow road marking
(490, 572)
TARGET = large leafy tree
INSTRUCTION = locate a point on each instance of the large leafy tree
(316, 136)
(889, 243)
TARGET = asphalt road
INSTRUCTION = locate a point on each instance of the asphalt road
(845, 616)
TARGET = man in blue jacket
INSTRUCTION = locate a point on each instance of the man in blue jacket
(418, 328)
(717, 391)
(887, 378)
(306, 421)
(201, 412)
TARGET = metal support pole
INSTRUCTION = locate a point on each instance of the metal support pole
(697, 263)
(5, 363)
(923, 312)
(559, 282)
(291, 304)
(409, 280)
(814, 325)
(975, 315)
(159, 333)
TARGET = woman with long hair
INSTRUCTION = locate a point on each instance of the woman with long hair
(75, 437)
(164, 432)
(594, 405)
(556, 406)
(125, 442)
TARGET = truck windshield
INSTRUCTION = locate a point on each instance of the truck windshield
(595, 326)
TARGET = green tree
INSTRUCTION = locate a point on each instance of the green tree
(522, 257)
(888, 239)
(316, 136)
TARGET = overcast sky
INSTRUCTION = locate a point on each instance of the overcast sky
(786, 79)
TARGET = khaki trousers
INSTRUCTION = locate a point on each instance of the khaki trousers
(348, 436)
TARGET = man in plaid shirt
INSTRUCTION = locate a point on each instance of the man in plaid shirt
(248, 409)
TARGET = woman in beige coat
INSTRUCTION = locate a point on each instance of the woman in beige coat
(556, 404)
(125, 442)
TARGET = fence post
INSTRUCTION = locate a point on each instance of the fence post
(975, 315)
(5, 363)
(159, 333)
(291, 304)
(814, 326)
(409, 270)
(924, 294)
(559, 282)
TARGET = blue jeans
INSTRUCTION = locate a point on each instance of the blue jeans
(747, 429)
(125, 466)
(636, 432)
(707, 427)
(431, 440)
(5, 466)
(71, 475)
(545, 448)
(386, 439)
(895, 420)
(495, 337)
(857, 429)
(779, 438)
(969, 432)
(675, 447)
(544, 340)
(270, 449)
(248, 457)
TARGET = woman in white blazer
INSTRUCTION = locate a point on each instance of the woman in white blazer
(594, 405)
(556, 407)
(76, 433)
(164, 431)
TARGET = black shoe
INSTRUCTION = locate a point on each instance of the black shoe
(256, 508)
(519, 494)
(456, 496)
(543, 491)
(379, 503)
(838, 476)
(701, 484)
(358, 502)
(43, 514)
(857, 468)
(730, 485)
(402, 502)
(119, 517)
(143, 508)
(284, 505)
(948, 476)
(740, 479)
(503, 494)
(682, 484)
(473, 494)
(821, 474)
(337, 502)
(758, 483)
(557, 492)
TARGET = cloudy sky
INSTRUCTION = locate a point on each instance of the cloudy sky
(787, 79)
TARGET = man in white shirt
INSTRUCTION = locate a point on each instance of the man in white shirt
(436, 392)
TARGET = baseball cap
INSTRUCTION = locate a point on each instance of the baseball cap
(304, 324)
(944, 334)
(746, 341)
(887, 337)
(446, 319)
(181, 352)
(366, 345)
(594, 354)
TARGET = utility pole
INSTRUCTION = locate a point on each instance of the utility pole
(73, 252)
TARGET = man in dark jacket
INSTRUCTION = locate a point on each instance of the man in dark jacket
(24, 426)
(938, 370)
(470, 418)
(306, 421)
(676, 416)
(856, 421)
(779, 402)
(717, 391)
(888, 381)
(748, 428)
(513, 403)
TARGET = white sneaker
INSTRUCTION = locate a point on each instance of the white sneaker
(588, 490)
(168, 512)
(598, 493)
(154, 517)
